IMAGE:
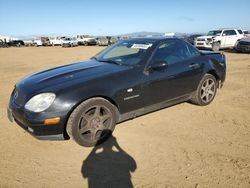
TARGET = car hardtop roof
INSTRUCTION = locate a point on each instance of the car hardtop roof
(226, 29)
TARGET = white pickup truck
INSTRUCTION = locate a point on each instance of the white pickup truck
(85, 40)
(219, 39)
(56, 41)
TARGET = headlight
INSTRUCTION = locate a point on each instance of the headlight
(40, 102)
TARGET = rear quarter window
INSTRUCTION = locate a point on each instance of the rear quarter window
(240, 32)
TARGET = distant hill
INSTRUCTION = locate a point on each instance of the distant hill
(141, 34)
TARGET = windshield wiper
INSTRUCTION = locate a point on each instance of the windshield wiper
(109, 61)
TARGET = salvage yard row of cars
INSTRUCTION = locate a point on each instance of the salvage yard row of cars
(62, 41)
(220, 39)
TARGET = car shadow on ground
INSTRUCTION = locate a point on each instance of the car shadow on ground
(108, 165)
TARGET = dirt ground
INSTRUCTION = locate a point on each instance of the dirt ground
(180, 146)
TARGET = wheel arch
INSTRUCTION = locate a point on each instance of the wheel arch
(66, 136)
(214, 73)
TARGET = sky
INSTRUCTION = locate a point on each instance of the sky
(114, 17)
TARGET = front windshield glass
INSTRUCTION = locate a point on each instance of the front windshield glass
(125, 52)
(214, 33)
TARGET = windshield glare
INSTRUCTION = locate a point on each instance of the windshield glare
(125, 52)
(214, 33)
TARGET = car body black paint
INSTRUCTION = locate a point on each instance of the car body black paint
(135, 90)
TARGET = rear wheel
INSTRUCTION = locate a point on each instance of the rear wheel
(206, 91)
(92, 122)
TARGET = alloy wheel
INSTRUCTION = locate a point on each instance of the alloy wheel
(208, 90)
(94, 123)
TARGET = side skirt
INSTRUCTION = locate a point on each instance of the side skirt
(154, 107)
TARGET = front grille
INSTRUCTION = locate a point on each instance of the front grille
(92, 40)
(18, 97)
(200, 39)
(244, 43)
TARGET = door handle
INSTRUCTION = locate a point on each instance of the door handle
(194, 65)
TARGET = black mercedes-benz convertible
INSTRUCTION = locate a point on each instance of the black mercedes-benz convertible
(85, 100)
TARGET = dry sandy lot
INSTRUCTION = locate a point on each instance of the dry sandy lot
(181, 146)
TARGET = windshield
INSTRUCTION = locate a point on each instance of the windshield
(124, 53)
(214, 33)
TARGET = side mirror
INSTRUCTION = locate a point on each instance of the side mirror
(158, 65)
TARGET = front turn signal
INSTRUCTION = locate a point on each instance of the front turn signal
(52, 121)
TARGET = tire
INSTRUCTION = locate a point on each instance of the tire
(92, 122)
(216, 46)
(206, 91)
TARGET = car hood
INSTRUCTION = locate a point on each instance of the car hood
(67, 41)
(245, 39)
(67, 74)
(205, 37)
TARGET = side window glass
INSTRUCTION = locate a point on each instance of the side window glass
(240, 31)
(172, 52)
(232, 32)
(225, 33)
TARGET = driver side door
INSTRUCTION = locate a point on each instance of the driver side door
(178, 78)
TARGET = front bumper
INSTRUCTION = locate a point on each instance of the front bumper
(34, 122)
(66, 44)
(91, 42)
(203, 45)
(243, 48)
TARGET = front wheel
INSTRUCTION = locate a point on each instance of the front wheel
(92, 122)
(216, 46)
(206, 91)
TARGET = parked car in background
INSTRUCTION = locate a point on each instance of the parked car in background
(113, 40)
(29, 42)
(85, 40)
(69, 42)
(17, 43)
(243, 45)
(102, 41)
(219, 39)
(85, 100)
(38, 42)
(191, 38)
(3, 44)
(246, 33)
(56, 41)
(43, 41)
